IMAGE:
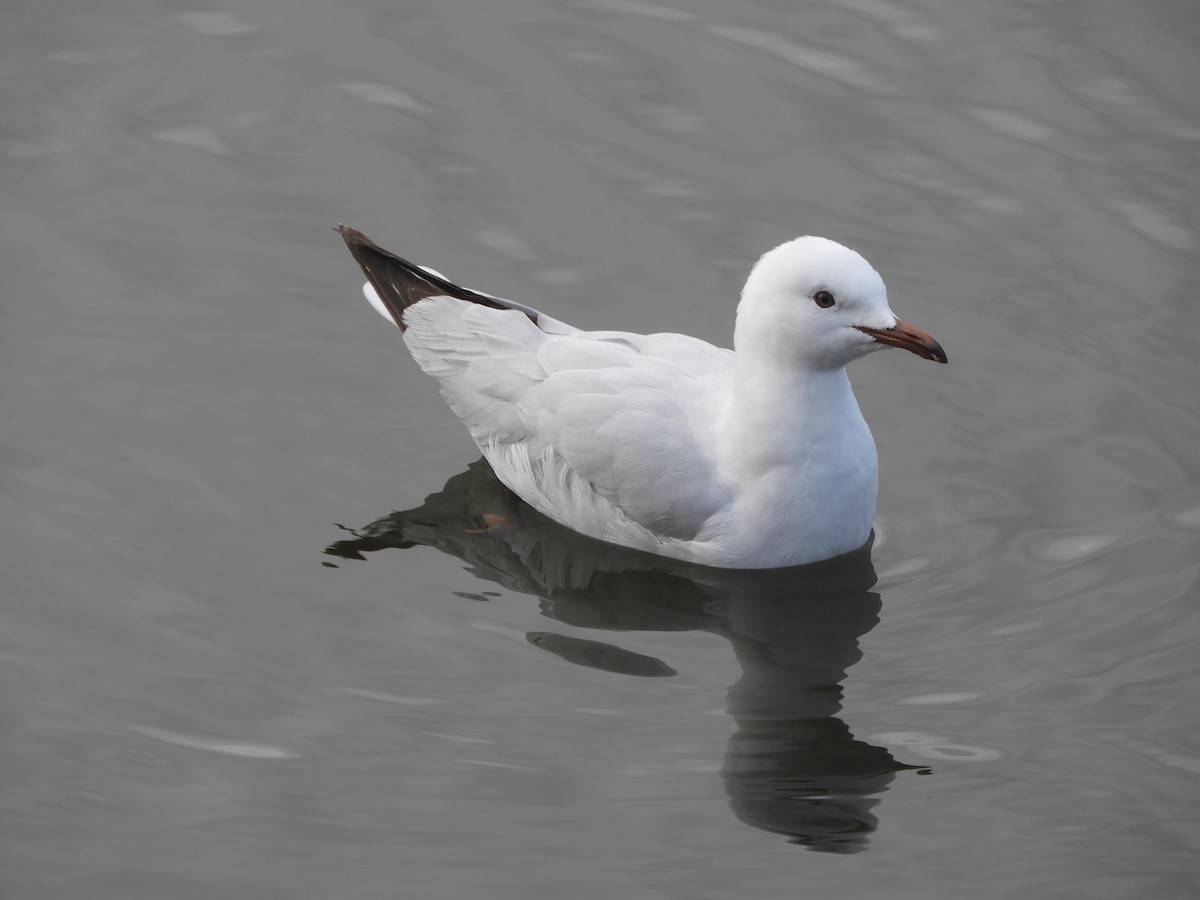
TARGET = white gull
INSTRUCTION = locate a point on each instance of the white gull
(756, 457)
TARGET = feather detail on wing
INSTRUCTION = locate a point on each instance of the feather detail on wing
(556, 414)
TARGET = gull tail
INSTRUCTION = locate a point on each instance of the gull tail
(399, 284)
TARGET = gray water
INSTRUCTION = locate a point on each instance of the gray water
(199, 700)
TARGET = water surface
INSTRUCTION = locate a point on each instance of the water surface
(998, 701)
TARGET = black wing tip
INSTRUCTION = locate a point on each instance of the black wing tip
(352, 236)
(362, 248)
(400, 283)
(349, 235)
(390, 276)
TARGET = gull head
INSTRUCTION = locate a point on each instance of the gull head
(812, 303)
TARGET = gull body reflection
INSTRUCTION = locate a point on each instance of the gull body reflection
(792, 767)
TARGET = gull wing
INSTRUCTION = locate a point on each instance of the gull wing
(598, 430)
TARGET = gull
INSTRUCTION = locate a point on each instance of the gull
(752, 458)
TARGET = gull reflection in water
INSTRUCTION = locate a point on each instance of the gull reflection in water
(792, 766)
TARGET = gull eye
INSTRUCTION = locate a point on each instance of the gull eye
(824, 299)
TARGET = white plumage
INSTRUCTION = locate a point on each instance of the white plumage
(750, 459)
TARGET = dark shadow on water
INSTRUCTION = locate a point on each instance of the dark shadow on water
(792, 766)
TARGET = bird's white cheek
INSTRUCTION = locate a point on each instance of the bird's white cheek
(859, 344)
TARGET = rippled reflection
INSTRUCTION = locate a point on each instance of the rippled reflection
(792, 766)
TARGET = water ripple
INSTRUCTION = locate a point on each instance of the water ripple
(211, 745)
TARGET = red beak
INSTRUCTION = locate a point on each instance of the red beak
(908, 337)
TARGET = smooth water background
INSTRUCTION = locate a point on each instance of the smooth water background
(194, 392)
